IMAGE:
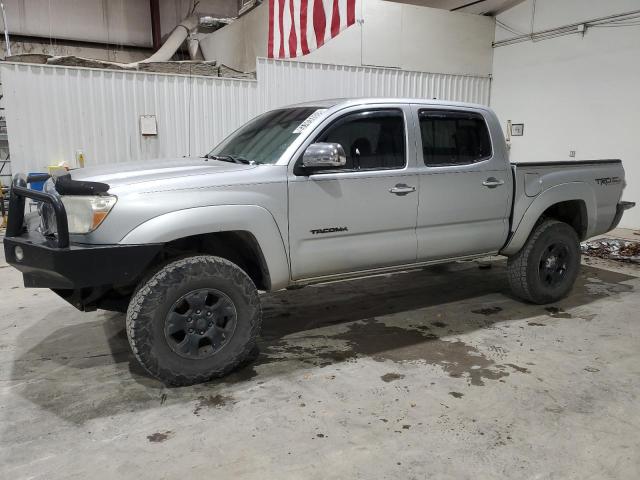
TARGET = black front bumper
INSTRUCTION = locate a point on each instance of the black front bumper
(87, 276)
(77, 266)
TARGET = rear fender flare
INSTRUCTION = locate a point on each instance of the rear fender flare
(556, 194)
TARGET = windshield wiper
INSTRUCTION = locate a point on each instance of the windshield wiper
(230, 158)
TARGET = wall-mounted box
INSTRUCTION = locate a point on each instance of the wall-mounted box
(517, 129)
(148, 125)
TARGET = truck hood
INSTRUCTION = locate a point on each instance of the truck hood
(122, 174)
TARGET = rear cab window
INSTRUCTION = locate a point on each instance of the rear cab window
(453, 137)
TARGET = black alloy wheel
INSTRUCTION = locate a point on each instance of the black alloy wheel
(194, 319)
(200, 323)
(545, 269)
(553, 264)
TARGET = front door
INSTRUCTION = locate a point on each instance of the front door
(465, 185)
(363, 215)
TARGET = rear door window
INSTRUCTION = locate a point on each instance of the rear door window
(453, 138)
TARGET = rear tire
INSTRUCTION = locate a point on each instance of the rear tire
(546, 268)
(195, 319)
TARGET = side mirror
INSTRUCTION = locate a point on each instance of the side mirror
(324, 155)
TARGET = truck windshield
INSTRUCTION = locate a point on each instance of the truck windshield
(265, 138)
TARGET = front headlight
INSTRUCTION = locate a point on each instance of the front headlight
(86, 213)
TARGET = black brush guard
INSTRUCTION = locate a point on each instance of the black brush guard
(19, 192)
(83, 274)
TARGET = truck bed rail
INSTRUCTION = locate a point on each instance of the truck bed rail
(566, 163)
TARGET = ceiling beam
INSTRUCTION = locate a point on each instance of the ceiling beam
(467, 5)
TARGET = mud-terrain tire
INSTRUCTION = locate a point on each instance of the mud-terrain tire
(546, 268)
(195, 319)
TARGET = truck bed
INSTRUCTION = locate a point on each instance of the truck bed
(596, 184)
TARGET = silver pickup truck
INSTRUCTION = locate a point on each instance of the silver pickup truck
(314, 192)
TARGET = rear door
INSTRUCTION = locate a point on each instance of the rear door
(363, 215)
(465, 185)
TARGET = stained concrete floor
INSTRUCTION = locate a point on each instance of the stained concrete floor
(437, 373)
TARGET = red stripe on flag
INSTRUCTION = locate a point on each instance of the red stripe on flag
(319, 22)
(303, 27)
(281, 27)
(270, 40)
(335, 19)
(351, 12)
(293, 39)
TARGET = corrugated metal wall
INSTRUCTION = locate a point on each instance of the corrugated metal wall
(54, 111)
(284, 82)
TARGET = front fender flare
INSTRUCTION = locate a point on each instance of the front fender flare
(556, 194)
(220, 218)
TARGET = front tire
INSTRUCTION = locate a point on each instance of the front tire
(546, 268)
(197, 318)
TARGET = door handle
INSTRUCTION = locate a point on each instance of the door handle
(402, 189)
(492, 182)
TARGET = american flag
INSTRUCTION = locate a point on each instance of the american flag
(297, 27)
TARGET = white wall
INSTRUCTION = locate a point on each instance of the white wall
(110, 21)
(391, 35)
(239, 44)
(573, 92)
(126, 22)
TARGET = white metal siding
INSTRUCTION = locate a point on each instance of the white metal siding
(54, 111)
(285, 82)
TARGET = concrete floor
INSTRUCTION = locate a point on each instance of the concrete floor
(437, 373)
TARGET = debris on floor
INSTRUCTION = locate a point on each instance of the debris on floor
(613, 249)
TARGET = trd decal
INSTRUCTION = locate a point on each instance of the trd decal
(316, 231)
(608, 180)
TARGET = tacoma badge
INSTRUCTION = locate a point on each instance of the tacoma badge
(316, 231)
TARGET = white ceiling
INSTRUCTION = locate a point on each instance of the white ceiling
(480, 7)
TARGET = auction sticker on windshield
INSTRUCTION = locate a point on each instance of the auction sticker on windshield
(309, 120)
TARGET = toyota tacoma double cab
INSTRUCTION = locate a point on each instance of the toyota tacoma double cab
(315, 192)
